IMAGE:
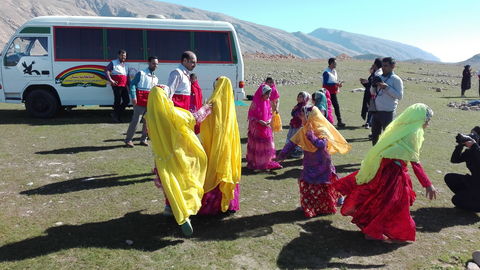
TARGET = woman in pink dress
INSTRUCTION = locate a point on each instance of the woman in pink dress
(260, 144)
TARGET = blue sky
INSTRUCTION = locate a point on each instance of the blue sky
(448, 29)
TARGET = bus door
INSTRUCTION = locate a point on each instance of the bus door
(26, 62)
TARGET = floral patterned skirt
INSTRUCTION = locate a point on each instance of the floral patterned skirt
(318, 199)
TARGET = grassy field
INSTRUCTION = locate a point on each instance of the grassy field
(71, 195)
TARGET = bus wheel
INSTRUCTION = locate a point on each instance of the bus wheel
(41, 103)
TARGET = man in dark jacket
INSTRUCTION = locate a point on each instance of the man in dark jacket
(466, 187)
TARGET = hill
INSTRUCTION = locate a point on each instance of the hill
(474, 61)
(253, 37)
(363, 44)
(368, 56)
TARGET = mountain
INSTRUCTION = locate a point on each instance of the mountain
(363, 44)
(368, 56)
(253, 37)
(474, 61)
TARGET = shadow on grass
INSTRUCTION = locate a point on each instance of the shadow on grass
(247, 171)
(354, 140)
(123, 139)
(293, 173)
(465, 98)
(320, 242)
(93, 116)
(349, 128)
(347, 168)
(79, 149)
(87, 183)
(148, 233)
(437, 218)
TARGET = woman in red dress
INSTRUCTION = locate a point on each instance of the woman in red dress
(380, 194)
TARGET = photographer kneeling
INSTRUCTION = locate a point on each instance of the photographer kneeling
(466, 187)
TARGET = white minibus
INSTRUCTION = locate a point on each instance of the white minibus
(55, 62)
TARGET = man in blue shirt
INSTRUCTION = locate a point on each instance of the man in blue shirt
(139, 89)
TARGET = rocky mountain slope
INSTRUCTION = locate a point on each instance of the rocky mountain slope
(253, 37)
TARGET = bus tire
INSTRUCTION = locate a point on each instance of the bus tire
(41, 103)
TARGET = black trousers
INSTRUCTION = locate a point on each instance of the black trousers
(336, 107)
(467, 192)
(121, 99)
(380, 121)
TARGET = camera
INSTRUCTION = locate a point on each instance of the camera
(376, 80)
(463, 138)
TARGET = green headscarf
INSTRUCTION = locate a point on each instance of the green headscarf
(321, 102)
(402, 140)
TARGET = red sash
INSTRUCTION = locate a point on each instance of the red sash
(181, 101)
(333, 89)
(120, 79)
(142, 97)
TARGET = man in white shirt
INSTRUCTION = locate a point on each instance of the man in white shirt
(331, 83)
(116, 72)
(179, 80)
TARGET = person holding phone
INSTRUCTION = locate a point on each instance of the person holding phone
(389, 91)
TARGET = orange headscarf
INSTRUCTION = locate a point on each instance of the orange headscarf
(322, 128)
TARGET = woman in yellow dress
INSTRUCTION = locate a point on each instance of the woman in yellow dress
(180, 161)
(220, 138)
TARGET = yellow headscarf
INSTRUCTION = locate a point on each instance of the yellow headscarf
(220, 138)
(402, 140)
(179, 157)
(322, 128)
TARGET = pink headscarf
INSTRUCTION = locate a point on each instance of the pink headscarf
(260, 109)
(274, 95)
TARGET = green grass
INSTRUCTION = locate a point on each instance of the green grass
(74, 170)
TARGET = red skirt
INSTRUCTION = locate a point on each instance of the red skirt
(381, 208)
(318, 199)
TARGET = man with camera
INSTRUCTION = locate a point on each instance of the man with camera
(466, 187)
(389, 90)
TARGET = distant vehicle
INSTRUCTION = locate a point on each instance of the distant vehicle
(55, 62)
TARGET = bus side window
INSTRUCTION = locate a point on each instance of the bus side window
(39, 47)
(213, 46)
(25, 46)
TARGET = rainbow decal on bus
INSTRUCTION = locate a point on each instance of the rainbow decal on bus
(85, 75)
